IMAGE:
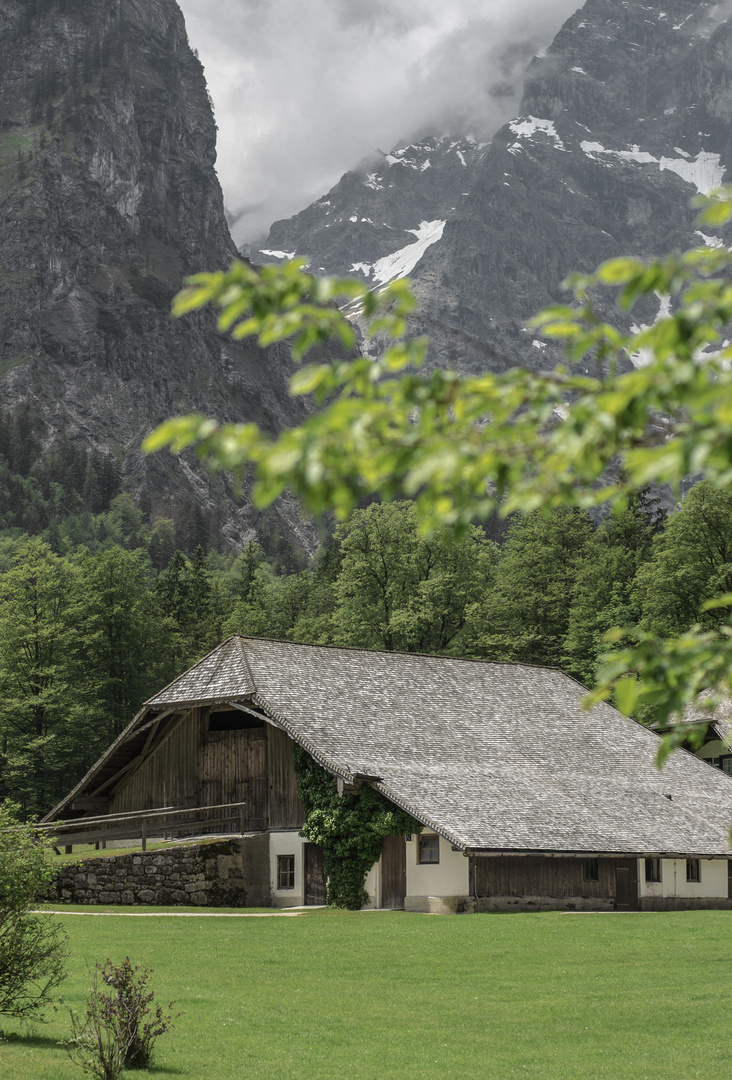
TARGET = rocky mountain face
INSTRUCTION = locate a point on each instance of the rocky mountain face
(108, 198)
(367, 224)
(622, 122)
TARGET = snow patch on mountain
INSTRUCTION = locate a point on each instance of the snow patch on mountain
(401, 263)
(277, 254)
(643, 357)
(705, 171)
(634, 154)
(711, 241)
(526, 128)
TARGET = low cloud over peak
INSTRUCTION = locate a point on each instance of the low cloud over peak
(305, 91)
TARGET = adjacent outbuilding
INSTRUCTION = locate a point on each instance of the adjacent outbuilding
(526, 801)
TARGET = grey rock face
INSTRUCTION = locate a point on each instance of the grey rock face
(108, 198)
(622, 123)
(385, 205)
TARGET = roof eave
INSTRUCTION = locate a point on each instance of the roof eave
(545, 854)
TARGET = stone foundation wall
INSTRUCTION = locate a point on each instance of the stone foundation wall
(544, 903)
(685, 903)
(441, 905)
(222, 873)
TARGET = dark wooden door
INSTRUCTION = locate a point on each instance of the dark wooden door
(626, 885)
(315, 890)
(233, 768)
(393, 872)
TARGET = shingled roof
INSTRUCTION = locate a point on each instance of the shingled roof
(220, 676)
(494, 756)
(718, 717)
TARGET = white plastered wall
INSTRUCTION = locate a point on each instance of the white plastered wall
(438, 887)
(287, 842)
(673, 883)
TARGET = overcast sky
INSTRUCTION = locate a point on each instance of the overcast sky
(304, 89)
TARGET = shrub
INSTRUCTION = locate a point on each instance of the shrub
(120, 1027)
(32, 947)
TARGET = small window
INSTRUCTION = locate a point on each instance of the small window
(693, 870)
(590, 870)
(653, 869)
(725, 763)
(429, 849)
(285, 871)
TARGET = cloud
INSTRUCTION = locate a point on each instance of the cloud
(303, 92)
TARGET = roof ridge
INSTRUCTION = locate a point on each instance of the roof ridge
(418, 655)
(241, 642)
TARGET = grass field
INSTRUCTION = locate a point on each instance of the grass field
(392, 995)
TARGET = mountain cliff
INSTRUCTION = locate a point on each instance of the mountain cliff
(108, 198)
(622, 122)
(367, 223)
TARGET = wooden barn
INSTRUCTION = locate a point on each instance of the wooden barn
(526, 801)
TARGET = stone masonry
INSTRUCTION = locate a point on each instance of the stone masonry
(221, 873)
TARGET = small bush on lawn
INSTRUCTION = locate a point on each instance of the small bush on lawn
(120, 1027)
(32, 947)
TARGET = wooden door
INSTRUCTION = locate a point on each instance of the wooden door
(315, 889)
(626, 885)
(393, 872)
(233, 768)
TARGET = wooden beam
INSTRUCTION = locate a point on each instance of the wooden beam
(151, 736)
(149, 749)
(111, 780)
(151, 723)
(136, 762)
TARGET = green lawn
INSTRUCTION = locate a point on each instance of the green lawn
(393, 995)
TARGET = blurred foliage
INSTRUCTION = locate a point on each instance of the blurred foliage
(464, 448)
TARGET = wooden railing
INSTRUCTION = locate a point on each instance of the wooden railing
(143, 825)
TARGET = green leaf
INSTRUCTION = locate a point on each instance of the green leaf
(619, 271)
(725, 600)
(627, 692)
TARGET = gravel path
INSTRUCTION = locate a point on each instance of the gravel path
(176, 914)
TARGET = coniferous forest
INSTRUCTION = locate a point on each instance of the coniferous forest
(99, 608)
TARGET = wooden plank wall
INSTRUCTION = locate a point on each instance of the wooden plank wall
(197, 767)
(169, 776)
(285, 808)
(233, 768)
(536, 876)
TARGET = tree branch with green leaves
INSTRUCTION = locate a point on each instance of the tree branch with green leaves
(464, 448)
